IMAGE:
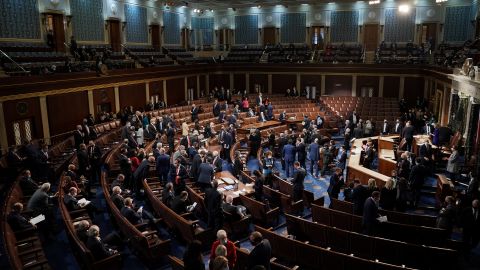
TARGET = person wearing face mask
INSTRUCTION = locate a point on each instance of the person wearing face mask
(231, 250)
(370, 213)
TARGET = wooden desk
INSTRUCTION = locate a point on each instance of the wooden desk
(386, 161)
(242, 188)
(357, 171)
(259, 125)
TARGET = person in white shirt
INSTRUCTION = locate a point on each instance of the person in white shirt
(184, 128)
(139, 135)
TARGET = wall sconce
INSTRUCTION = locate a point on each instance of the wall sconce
(381, 28)
(441, 27)
(106, 25)
(124, 24)
(360, 28)
(327, 29)
(69, 19)
(260, 30)
(419, 27)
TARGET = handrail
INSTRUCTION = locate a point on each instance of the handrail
(13, 61)
(131, 54)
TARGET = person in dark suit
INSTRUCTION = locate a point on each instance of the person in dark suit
(358, 131)
(407, 134)
(261, 252)
(447, 216)
(17, 221)
(94, 156)
(192, 258)
(416, 179)
(71, 201)
(427, 128)
(237, 165)
(167, 194)
(336, 183)
(385, 127)
(370, 214)
(288, 155)
(259, 99)
(78, 136)
(205, 175)
(314, 156)
(126, 168)
(38, 203)
(117, 198)
(142, 172)
(297, 181)
(359, 195)
(179, 203)
(171, 138)
(398, 127)
(126, 130)
(177, 176)
(81, 229)
(216, 108)
(162, 166)
(217, 162)
(213, 205)
(235, 212)
(134, 217)
(388, 195)
(301, 152)
(342, 158)
(283, 116)
(83, 161)
(470, 222)
(151, 130)
(196, 162)
(27, 184)
(194, 112)
(258, 186)
(96, 246)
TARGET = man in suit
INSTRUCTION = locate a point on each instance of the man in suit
(16, 220)
(336, 183)
(359, 195)
(342, 158)
(196, 162)
(416, 179)
(314, 156)
(301, 152)
(213, 205)
(134, 217)
(194, 112)
(288, 155)
(126, 130)
(398, 128)
(71, 201)
(226, 141)
(38, 203)
(171, 138)
(297, 181)
(117, 197)
(407, 134)
(216, 108)
(370, 214)
(354, 118)
(151, 130)
(283, 116)
(427, 129)
(217, 162)
(234, 211)
(94, 156)
(96, 246)
(259, 99)
(205, 175)
(470, 221)
(27, 184)
(167, 194)
(179, 203)
(385, 127)
(163, 166)
(358, 131)
(126, 168)
(177, 176)
(78, 136)
(261, 252)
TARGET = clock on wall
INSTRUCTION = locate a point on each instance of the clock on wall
(113, 9)
(54, 2)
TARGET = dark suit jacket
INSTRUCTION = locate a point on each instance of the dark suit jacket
(232, 210)
(167, 197)
(218, 164)
(131, 215)
(301, 153)
(71, 202)
(142, 171)
(163, 164)
(119, 201)
(370, 212)
(38, 202)
(78, 138)
(178, 206)
(213, 202)
(385, 129)
(359, 195)
(18, 222)
(27, 185)
(407, 132)
(195, 168)
(216, 110)
(398, 129)
(288, 153)
(125, 165)
(83, 161)
(97, 248)
(298, 178)
(205, 173)
(313, 152)
(260, 255)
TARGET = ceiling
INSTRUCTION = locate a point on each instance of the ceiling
(225, 4)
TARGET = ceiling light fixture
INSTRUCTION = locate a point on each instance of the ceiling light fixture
(440, 1)
(374, 2)
(404, 8)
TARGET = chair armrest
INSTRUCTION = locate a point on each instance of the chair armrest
(35, 264)
(30, 251)
(27, 240)
(273, 210)
(149, 233)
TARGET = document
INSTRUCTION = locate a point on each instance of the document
(37, 219)
(83, 202)
(191, 207)
(382, 219)
(228, 181)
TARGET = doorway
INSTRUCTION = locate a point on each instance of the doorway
(269, 36)
(155, 31)
(115, 35)
(55, 31)
(317, 37)
(429, 33)
(370, 37)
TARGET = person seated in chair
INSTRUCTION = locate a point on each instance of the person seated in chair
(17, 221)
(179, 203)
(72, 203)
(168, 194)
(236, 212)
(96, 246)
(136, 216)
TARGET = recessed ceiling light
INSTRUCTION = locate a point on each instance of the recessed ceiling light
(404, 8)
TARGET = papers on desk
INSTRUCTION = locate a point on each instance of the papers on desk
(191, 207)
(221, 190)
(228, 181)
(382, 219)
(83, 202)
(229, 187)
(37, 219)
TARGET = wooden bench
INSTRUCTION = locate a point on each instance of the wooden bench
(185, 228)
(260, 212)
(370, 247)
(402, 232)
(398, 217)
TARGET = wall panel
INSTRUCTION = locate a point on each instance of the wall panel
(337, 85)
(367, 81)
(87, 20)
(311, 80)
(391, 86)
(281, 82)
(103, 97)
(175, 91)
(132, 95)
(156, 88)
(22, 109)
(239, 82)
(65, 111)
(19, 19)
(413, 88)
(262, 80)
(219, 80)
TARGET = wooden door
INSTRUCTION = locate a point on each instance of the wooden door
(370, 37)
(58, 32)
(269, 35)
(429, 33)
(317, 36)
(185, 38)
(155, 35)
(115, 35)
